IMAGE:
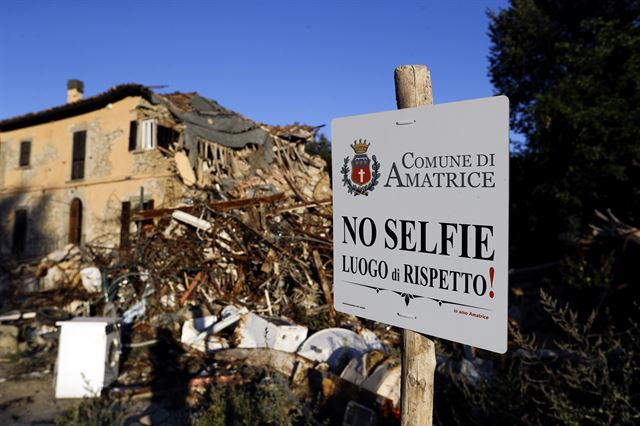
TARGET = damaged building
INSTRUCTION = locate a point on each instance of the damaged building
(78, 173)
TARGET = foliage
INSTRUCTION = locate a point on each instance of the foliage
(583, 377)
(265, 400)
(322, 147)
(581, 272)
(571, 70)
(99, 411)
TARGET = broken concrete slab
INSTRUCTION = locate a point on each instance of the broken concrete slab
(184, 169)
(8, 339)
(335, 346)
(253, 331)
(193, 331)
(91, 278)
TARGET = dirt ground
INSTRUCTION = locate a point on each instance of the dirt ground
(30, 401)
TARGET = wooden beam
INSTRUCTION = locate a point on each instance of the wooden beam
(413, 88)
(324, 282)
(217, 206)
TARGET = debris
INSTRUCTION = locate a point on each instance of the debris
(230, 315)
(335, 346)
(326, 288)
(193, 285)
(358, 415)
(193, 328)
(385, 380)
(17, 315)
(377, 372)
(184, 169)
(291, 365)
(8, 339)
(203, 225)
(253, 331)
(134, 313)
(249, 235)
(91, 279)
(50, 316)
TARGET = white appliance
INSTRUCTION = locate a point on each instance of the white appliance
(88, 356)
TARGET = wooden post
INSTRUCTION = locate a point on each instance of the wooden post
(413, 88)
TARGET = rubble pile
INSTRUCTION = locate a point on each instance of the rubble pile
(257, 255)
(236, 275)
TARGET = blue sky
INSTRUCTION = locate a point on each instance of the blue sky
(275, 62)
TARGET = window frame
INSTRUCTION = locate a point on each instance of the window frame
(25, 153)
(78, 155)
(148, 134)
(75, 221)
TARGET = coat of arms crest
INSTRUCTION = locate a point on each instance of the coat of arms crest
(364, 176)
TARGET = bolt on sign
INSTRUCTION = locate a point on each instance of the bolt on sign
(421, 199)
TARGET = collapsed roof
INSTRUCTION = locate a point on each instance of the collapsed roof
(201, 117)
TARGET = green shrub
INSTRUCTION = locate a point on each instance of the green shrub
(265, 400)
(582, 376)
(102, 411)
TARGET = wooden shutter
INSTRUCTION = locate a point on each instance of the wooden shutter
(19, 231)
(75, 222)
(25, 153)
(133, 135)
(79, 150)
(147, 205)
(125, 220)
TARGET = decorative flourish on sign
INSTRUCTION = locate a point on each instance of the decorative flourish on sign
(446, 302)
(409, 297)
(406, 296)
(364, 176)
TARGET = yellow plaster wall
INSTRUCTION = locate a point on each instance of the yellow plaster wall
(112, 175)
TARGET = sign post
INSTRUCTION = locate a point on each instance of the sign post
(420, 225)
(413, 88)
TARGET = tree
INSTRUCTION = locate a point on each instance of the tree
(320, 146)
(571, 70)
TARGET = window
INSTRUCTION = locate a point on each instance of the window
(25, 153)
(75, 222)
(133, 135)
(166, 137)
(19, 231)
(148, 134)
(77, 160)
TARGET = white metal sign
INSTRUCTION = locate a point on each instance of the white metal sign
(421, 199)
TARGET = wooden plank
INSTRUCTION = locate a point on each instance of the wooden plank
(217, 206)
(192, 287)
(324, 282)
(413, 88)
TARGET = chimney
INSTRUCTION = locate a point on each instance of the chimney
(75, 90)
